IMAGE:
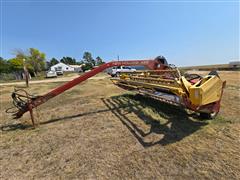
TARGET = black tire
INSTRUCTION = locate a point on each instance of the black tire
(162, 60)
(208, 115)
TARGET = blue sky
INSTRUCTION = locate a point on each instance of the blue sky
(186, 33)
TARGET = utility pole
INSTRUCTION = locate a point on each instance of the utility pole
(26, 74)
(118, 57)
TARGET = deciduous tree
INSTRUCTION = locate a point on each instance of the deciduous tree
(87, 57)
(4, 66)
(16, 64)
(68, 60)
(99, 61)
(36, 59)
(53, 61)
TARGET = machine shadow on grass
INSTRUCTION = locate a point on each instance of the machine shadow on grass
(172, 122)
(177, 123)
(20, 126)
(24, 126)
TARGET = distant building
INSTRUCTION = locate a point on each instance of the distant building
(234, 64)
(66, 68)
(62, 67)
(231, 66)
(77, 68)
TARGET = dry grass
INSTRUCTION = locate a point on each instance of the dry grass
(98, 131)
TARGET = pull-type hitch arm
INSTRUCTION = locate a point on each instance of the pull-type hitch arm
(33, 102)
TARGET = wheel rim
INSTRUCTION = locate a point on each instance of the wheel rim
(213, 114)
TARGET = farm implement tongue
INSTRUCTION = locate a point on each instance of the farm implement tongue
(161, 81)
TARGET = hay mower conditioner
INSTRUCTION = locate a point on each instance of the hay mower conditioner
(161, 81)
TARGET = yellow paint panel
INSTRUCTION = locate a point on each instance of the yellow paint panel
(206, 91)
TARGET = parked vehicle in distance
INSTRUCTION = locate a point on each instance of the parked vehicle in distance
(115, 71)
(59, 72)
(51, 74)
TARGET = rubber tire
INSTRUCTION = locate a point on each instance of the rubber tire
(208, 115)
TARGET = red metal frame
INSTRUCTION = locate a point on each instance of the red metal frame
(155, 64)
(32, 103)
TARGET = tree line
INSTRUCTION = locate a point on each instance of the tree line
(35, 61)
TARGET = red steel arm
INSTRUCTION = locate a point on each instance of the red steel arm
(151, 64)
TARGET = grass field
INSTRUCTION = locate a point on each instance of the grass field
(98, 131)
